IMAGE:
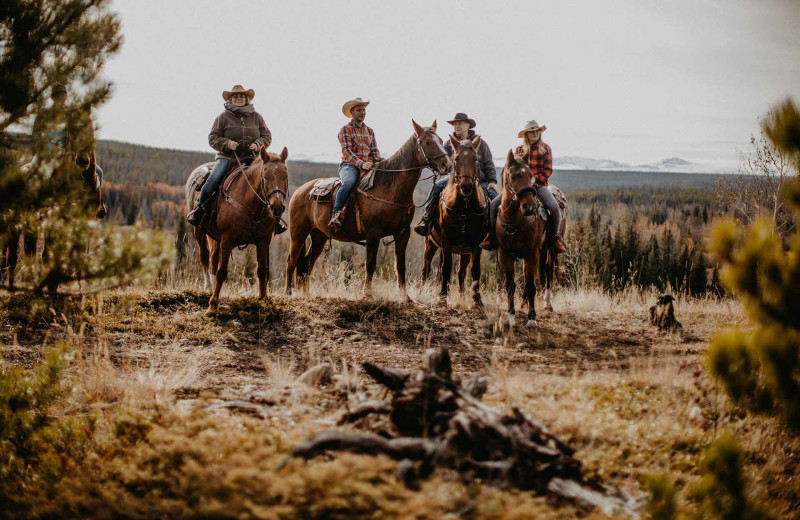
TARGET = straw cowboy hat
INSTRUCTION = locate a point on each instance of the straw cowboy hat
(347, 107)
(238, 89)
(531, 126)
(461, 116)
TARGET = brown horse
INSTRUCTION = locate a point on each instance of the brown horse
(65, 165)
(520, 232)
(462, 220)
(385, 210)
(247, 209)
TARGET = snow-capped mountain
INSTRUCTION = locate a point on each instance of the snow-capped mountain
(672, 164)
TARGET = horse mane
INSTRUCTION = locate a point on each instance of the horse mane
(401, 159)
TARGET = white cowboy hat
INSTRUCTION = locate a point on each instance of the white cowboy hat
(238, 89)
(531, 126)
(353, 103)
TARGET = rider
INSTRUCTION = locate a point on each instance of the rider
(462, 128)
(359, 153)
(240, 130)
(541, 164)
(53, 130)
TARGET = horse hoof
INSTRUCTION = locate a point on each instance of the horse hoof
(532, 324)
(512, 321)
(548, 308)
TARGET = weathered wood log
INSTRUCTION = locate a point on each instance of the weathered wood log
(433, 421)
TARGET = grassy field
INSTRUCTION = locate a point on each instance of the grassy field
(191, 413)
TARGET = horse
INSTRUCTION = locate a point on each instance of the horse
(65, 164)
(249, 204)
(462, 220)
(385, 210)
(520, 232)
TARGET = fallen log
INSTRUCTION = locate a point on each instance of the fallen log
(434, 421)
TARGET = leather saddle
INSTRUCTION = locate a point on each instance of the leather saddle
(324, 189)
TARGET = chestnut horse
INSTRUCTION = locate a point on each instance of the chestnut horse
(247, 209)
(65, 165)
(462, 221)
(520, 232)
(385, 210)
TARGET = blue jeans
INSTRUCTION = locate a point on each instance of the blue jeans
(349, 175)
(214, 180)
(438, 188)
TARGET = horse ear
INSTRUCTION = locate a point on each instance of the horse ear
(476, 142)
(284, 154)
(417, 129)
(434, 125)
(263, 153)
(453, 142)
(510, 157)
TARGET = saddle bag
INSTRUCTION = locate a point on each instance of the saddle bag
(323, 189)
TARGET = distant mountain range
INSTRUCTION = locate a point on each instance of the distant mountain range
(573, 162)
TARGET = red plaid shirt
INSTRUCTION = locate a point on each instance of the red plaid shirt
(358, 144)
(541, 164)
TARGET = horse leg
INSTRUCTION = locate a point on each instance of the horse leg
(214, 264)
(318, 241)
(219, 259)
(529, 268)
(546, 265)
(507, 263)
(476, 277)
(430, 252)
(463, 264)
(447, 270)
(12, 254)
(400, 245)
(372, 263)
(262, 255)
(297, 252)
(202, 253)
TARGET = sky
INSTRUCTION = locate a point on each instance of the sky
(635, 81)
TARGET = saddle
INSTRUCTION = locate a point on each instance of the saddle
(323, 189)
(560, 199)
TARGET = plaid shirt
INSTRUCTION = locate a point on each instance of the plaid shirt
(358, 144)
(541, 164)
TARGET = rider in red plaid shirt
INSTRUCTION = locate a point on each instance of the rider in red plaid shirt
(359, 153)
(540, 162)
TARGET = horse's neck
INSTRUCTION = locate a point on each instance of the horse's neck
(509, 208)
(404, 182)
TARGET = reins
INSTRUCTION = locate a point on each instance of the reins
(264, 200)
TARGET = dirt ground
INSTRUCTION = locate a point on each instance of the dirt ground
(633, 400)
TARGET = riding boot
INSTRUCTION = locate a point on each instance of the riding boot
(490, 241)
(196, 215)
(280, 227)
(558, 244)
(336, 221)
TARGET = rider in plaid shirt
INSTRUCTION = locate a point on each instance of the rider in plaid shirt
(540, 162)
(359, 153)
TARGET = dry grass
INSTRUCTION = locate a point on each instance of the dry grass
(633, 400)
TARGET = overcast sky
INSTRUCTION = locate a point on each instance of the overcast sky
(630, 80)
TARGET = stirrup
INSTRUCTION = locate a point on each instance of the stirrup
(195, 217)
(423, 227)
(336, 220)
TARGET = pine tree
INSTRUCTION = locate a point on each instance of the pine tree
(760, 366)
(698, 278)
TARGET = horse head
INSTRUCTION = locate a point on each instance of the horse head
(518, 181)
(275, 179)
(430, 150)
(87, 163)
(465, 164)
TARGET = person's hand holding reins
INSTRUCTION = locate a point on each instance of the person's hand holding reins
(255, 147)
(493, 186)
(367, 166)
(233, 145)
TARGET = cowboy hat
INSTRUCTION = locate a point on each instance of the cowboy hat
(347, 107)
(531, 126)
(238, 89)
(461, 116)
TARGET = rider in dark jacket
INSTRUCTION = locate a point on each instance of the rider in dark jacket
(238, 129)
(462, 129)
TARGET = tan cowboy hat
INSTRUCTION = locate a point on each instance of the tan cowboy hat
(347, 107)
(238, 89)
(461, 116)
(531, 126)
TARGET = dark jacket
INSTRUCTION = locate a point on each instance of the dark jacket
(488, 172)
(242, 125)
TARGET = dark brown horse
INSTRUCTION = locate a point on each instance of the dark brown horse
(462, 220)
(247, 209)
(385, 210)
(65, 165)
(520, 232)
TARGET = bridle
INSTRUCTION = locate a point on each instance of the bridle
(429, 159)
(257, 192)
(475, 184)
(516, 195)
